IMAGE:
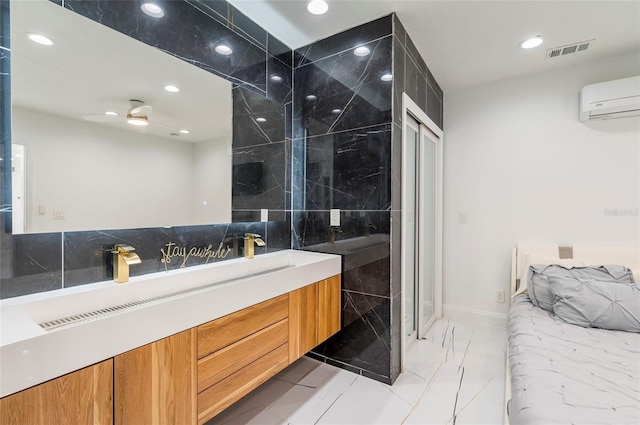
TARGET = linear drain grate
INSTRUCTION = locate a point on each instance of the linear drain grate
(96, 314)
(109, 311)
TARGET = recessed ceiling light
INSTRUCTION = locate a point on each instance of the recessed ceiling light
(260, 119)
(311, 97)
(336, 111)
(113, 114)
(532, 42)
(317, 7)
(171, 88)
(40, 39)
(223, 49)
(152, 10)
(387, 77)
(361, 51)
(185, 131)
(276, 78)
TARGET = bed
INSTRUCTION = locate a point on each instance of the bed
(563, 373)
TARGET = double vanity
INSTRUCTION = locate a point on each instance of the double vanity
(176, 347)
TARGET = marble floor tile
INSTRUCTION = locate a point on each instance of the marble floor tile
(453, 376)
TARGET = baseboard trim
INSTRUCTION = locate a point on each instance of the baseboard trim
(464, 314)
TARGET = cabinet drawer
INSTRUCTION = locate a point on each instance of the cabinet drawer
(226, 330)
(221, 395)
(234, 357)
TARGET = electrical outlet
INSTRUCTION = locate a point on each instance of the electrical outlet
(500, 296)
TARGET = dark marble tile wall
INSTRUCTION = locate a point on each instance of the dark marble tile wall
(347, 151)
(342, 117)
(260, 68)
(411, 75)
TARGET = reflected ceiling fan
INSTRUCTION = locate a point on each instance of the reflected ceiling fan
(138, 115)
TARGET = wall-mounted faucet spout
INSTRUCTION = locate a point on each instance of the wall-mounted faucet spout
(250, 240)
(123, 257)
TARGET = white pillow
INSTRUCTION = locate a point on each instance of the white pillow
(531, 259)
(623, 255)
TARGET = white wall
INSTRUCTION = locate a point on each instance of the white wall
(519, 161)
(105, 178)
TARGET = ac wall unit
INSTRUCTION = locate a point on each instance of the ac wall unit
(611, 99)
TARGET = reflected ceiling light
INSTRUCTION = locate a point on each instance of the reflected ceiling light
(311, 97)
(185, 131)
(336, 111)
(532, 42)
(276, 78)
(152, 10)
(113, 114)
(139, 121)
(387, 77)
(223, 49)
(361, 51)
(171, 88)
(260, 119)
(317, 7)
(40, 39)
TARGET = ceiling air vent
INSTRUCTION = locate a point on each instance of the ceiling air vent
(569, 49)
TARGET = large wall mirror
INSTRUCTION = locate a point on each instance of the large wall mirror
(110, 133)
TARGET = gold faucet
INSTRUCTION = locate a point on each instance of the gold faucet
(123, 258)
(250, 240)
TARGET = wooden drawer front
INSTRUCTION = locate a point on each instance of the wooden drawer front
(329, 306)
(221, 395)
(234, 357)
(226, 330)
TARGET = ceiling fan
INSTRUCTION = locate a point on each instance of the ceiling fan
(138, 115)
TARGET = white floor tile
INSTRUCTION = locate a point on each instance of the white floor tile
(455, 374)
(366, 402)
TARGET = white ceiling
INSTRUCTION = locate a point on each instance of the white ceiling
(467, 43)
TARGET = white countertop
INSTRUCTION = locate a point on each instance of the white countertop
(30, 355)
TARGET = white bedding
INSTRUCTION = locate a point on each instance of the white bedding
(567, 374)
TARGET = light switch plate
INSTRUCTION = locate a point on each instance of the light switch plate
(463, 217)
(334, 217)
(264, 214)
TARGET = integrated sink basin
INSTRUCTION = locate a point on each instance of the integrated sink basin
(102, 299)
(49, 334)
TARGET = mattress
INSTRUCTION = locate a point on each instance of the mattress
(567, 374)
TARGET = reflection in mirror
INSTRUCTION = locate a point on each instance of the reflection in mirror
(83, 166)
(259, 157)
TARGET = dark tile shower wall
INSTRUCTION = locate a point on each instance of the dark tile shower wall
(343, 138)
(347, 151)
(42, 262)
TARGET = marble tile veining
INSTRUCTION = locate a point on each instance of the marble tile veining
(454, 376)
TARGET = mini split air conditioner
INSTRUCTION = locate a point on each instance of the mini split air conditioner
(611, 99)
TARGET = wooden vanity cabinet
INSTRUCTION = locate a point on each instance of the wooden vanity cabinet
(189, 377)
(238, 352)
(314, 315)
(156, 383)
(81, 397)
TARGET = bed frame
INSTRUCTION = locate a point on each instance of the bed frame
(628, 256)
